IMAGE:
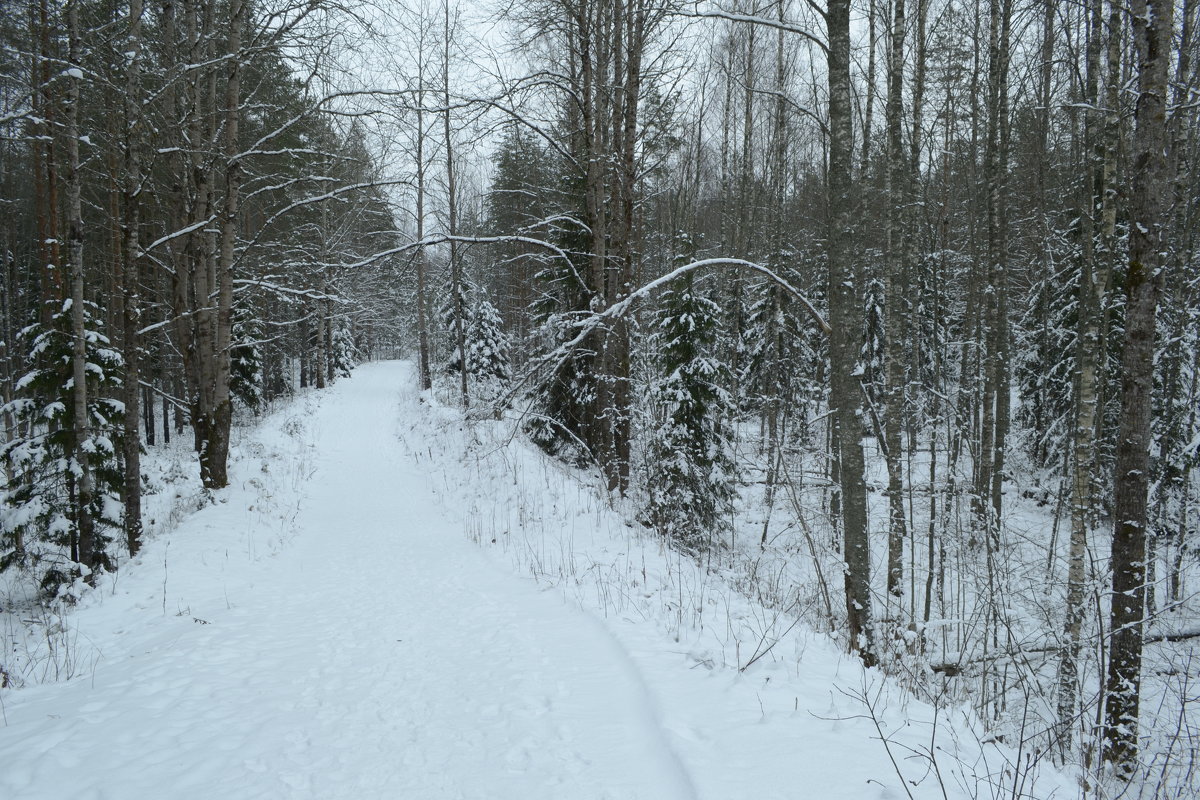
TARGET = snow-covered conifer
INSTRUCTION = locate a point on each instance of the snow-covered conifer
(246, 363)
(344, 355)
(690, 489)
(486, 341)
(38, 517)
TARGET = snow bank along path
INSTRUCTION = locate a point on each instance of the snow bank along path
(322, 632)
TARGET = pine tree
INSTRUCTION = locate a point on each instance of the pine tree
(446, 316)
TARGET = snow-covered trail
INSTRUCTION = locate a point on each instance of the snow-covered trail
(375, 654)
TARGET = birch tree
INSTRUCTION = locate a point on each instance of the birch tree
(1098, 220)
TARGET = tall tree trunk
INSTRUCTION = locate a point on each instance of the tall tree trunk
(596, 118)
(999, 373)
(773, 329)
(214, 457)
(746, 174)
(869, 101)
(203, 271)
(989, 469)
(131, 263)
(456, 279)
(932, 347)
(606, 40)
(424, 370)
(89, 553)
(1152, 22)
(188, 191)
(1095, 262)
(844, 313)
(895, 271)
(45, 169)
(630, 32)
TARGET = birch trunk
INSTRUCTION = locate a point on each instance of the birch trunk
(456, 279)
(1096, 233)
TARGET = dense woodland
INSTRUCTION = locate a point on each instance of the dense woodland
(901, 291)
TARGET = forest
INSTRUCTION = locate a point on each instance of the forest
(889, 309)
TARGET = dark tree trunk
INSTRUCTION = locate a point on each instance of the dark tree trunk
(90, 553)
(896, 269)
(1152, 29)
(131, 255)
(844, 319)
(425, 373)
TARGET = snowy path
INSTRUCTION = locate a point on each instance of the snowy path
(375, 654)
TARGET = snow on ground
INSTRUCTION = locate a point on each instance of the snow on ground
(327, 628)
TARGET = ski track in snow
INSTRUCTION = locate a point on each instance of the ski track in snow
(375, 654)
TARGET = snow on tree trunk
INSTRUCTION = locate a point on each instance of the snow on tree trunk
(1152, 22)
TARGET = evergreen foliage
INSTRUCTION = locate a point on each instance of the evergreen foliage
(1176, 424)
(246, 364)
(779, 361)
(487, 347)
(872, 353)
(38, 515)
(344, 355)
(561, 422)
(487, 344)
(691, 485)
(1046, 365)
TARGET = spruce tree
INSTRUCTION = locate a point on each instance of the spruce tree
(485, 343)
(487, 346)
(38, 502)
(691, 486)
(344, 354)
(246, 362)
